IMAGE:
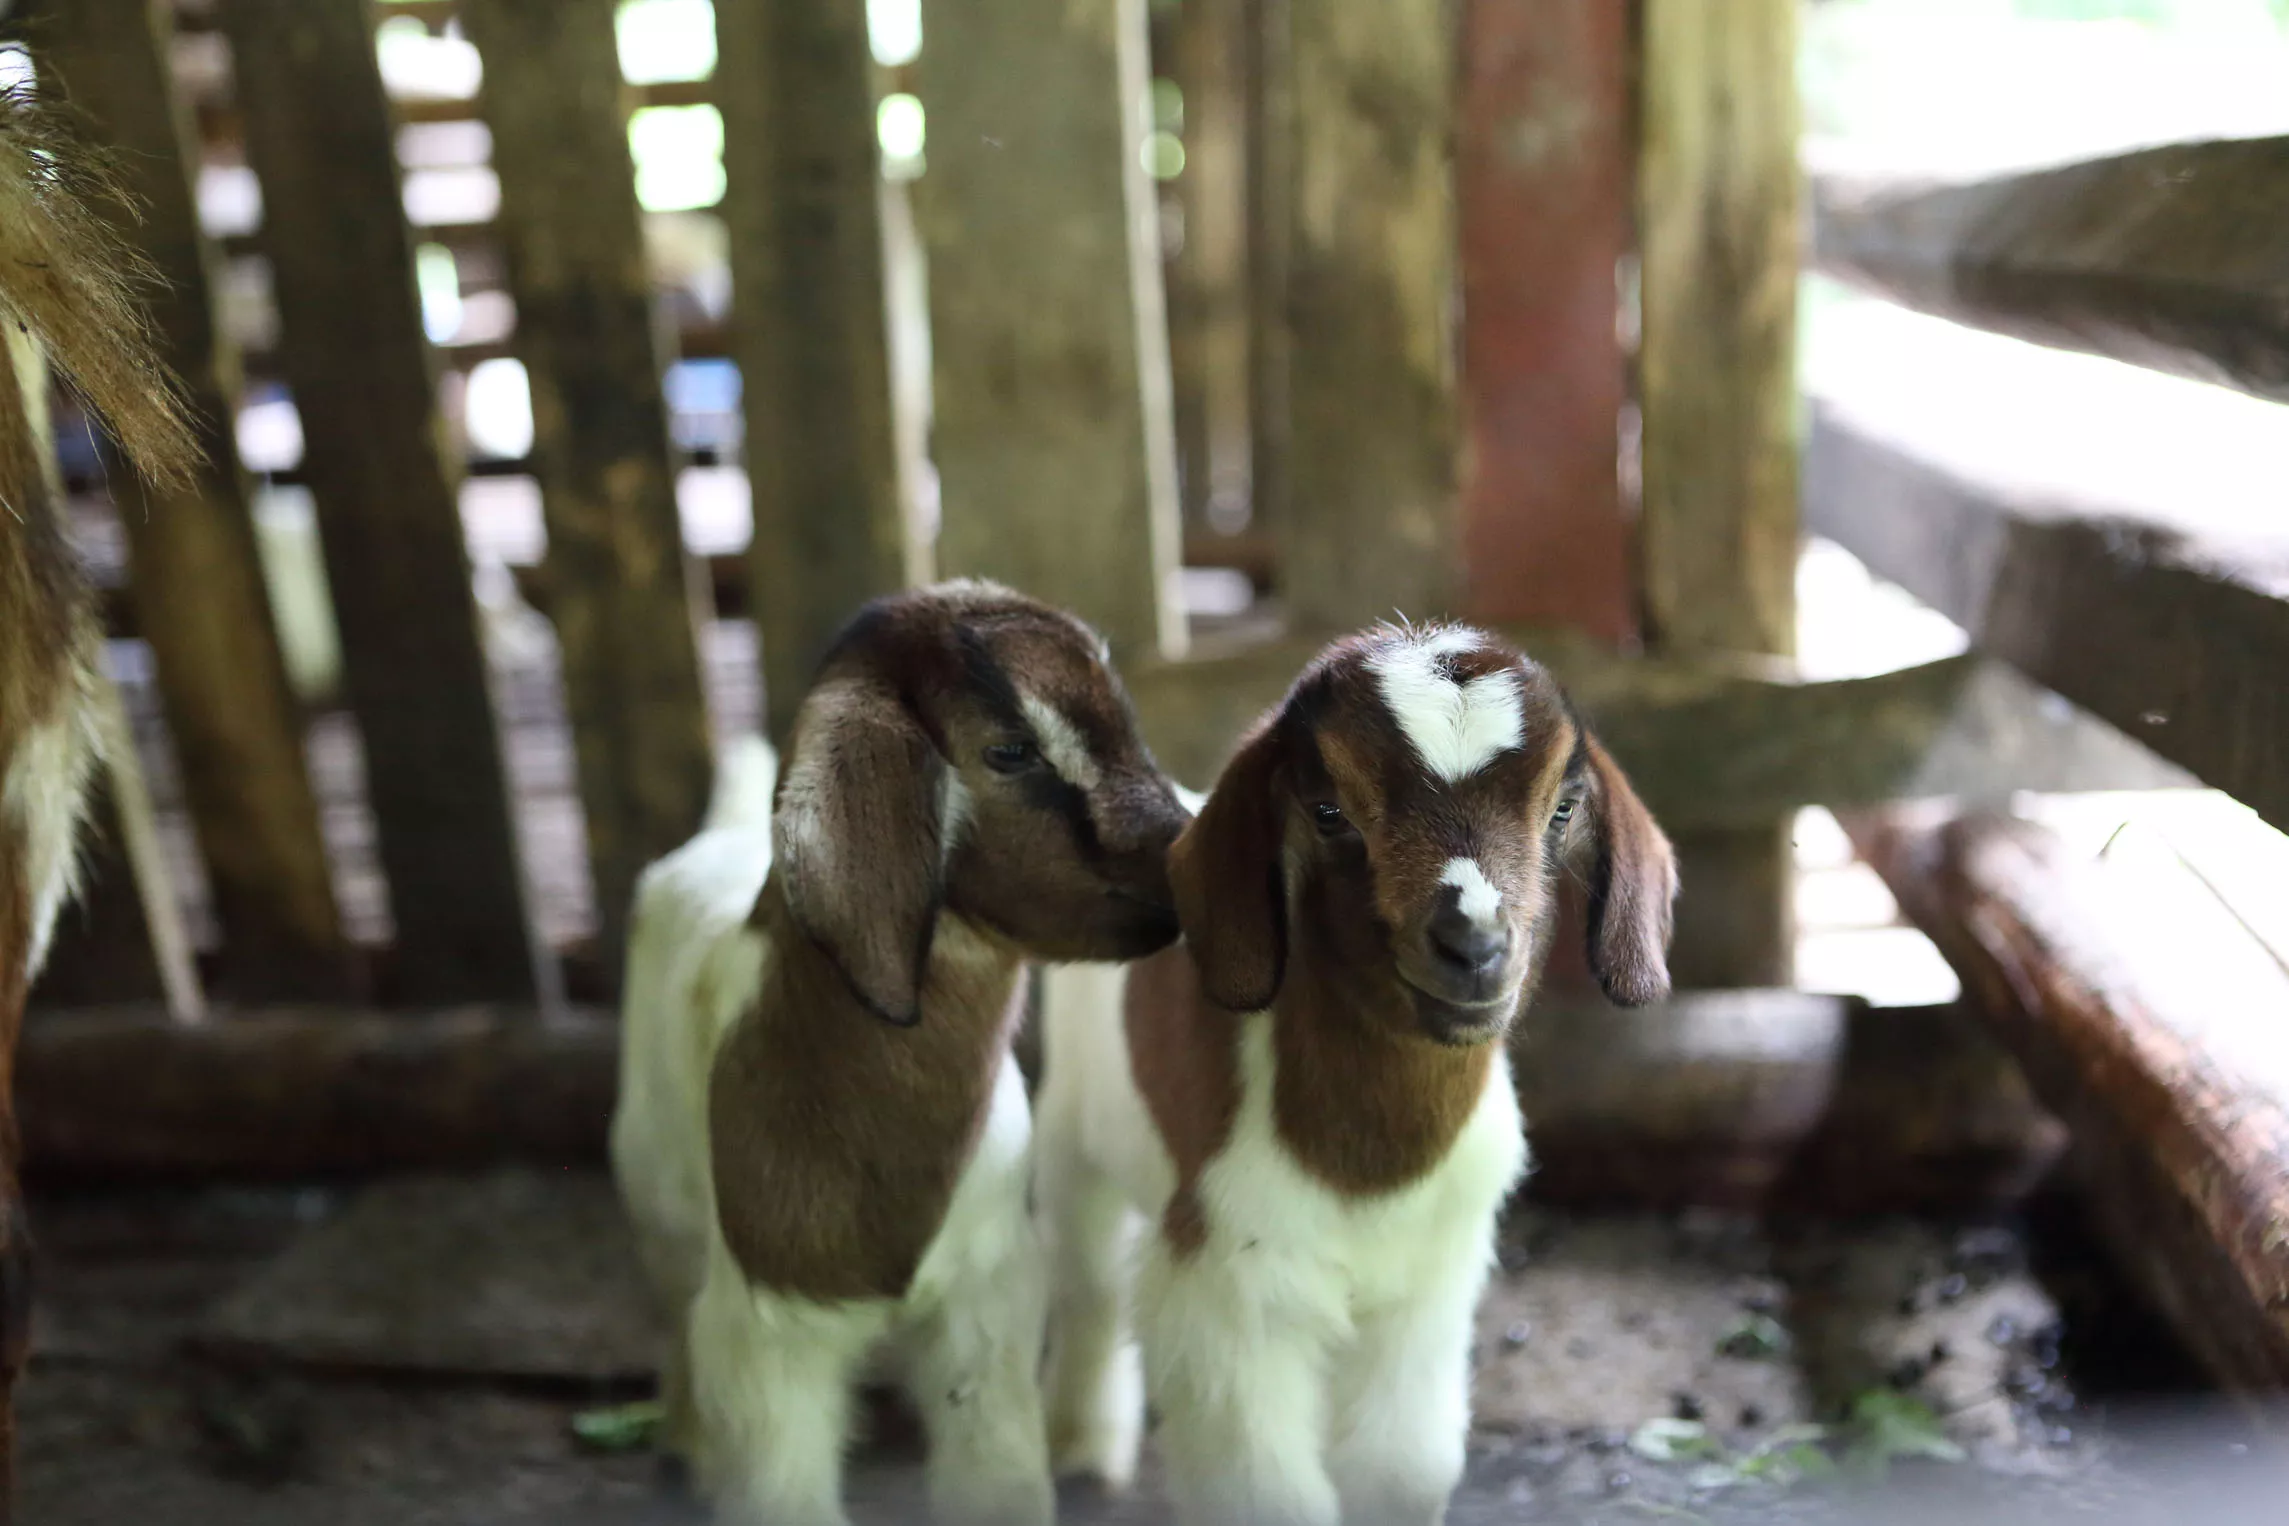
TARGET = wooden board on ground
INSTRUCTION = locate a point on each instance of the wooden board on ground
(2180, 644)
(2149, 1019)
(2152, 258)
(517, 1275)
(809, 330)
(1052, 427)
(321, 137)
(621, 587)
(197, 581)
(1717, 226)
(1358, 428)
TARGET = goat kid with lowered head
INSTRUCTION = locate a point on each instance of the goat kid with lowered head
(965, 789)
(1310, 1097)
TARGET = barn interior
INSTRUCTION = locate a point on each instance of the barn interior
(1866, 408)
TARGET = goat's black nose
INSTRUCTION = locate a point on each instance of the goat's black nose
(1466, 945)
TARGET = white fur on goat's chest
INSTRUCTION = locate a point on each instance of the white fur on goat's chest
(1365, 1252)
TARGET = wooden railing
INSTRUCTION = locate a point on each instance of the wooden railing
(2147, 1011)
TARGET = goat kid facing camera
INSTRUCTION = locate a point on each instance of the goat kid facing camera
(823, 1136)
(1307, 1106)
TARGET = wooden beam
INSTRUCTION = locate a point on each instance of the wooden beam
(2179, 644)
(1704, 1101)
(1355, 306)
(2151, 258)
(621, 585)
(1051, 422)
(2141, 1012)
(197, 582)
(1208, 279)
(809, 333)
(1717, 227)
(1777, 1102)
(320, 136)
(1712, 747)
(1545, 151)
(312, 1092)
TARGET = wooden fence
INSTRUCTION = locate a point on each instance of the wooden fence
(1084, 387)
(2144, 1009)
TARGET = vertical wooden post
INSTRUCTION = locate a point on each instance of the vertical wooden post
(809, 326)
(1357, 305)
(1718, 211)
(1208, 305)
(619, 579)
(1052, 423)
(197, 584)
(320, 137)
(1546, 149)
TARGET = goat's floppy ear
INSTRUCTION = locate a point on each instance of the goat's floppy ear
(859, 841)
(1225, 872)
(1632, 885)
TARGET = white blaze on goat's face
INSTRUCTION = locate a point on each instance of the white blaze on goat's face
(1060, 742)
(1456, 729)
(1476, 897)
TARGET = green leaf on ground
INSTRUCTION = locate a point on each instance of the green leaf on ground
(620, 1427)
(1889, 1426)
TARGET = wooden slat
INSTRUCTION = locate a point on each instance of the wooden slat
(2161, 258)
(1702, 1101)
(2182, 646)
(1545, 155)
(620, 583)
(197, 578)
(1717, 225)
(808, 327)
(1709, 747)
(1358, 293)
(2112, 986)
(1208, 278)
(320, 137)
(1051, 423)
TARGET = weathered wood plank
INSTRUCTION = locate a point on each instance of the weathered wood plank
(1709, 747)
(2162, 258)
(1052, 425)
(319, 135)
(2170, 1080)
(1544, 159)
(1358, 432)
(621, 585)
(809, 331)
(1717, 226)
(1706, 1100)
(197, 580)
(1208, 286)
(1777, 1101)
(2182, 646)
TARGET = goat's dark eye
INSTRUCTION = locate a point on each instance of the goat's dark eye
(1011, 757)
(1328, 817)
(1563, 814)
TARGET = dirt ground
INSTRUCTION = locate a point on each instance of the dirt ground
(200, 1359)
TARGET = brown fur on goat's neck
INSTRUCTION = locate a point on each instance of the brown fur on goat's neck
(838, 1138)
(1362, 1105)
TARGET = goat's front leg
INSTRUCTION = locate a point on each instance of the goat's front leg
(1240, 1391)
(1094, 1390)
(974, 1376)
(771, 1385)
(1402, 1407)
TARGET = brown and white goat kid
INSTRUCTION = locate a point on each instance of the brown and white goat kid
(1310, 1098)
(66, 301)
(965, 789)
